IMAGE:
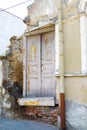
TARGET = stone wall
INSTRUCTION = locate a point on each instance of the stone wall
(43, 114)
(15, 58)
(12, 69)
(5, 102)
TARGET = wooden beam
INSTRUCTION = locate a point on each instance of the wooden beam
(41, 101)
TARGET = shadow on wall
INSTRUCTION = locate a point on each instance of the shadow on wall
(14, 89)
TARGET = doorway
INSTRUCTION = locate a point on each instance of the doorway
(41, 65)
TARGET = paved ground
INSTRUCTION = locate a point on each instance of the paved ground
(9, 124)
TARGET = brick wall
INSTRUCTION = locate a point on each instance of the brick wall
(43, 114)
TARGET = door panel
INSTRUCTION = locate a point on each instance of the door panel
(33, 66)
(48, 64)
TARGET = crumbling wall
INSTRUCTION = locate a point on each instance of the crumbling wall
(43, 114)
(48, 10)
(15, 59)
(14, 80)
(41, 10)
(5, 103)
(11, 77)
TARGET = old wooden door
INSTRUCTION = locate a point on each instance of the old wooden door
(48, 64)
(33, 66)
(41, 65)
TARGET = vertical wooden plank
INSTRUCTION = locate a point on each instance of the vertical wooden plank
(48, 64)
(33, 66)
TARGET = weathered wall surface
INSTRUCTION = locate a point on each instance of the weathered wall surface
(5, 102)
(70, 9)
(38, 13)
(47, 10)
(75, 59)
(76, 101)
(76, 115)
(15, 58)
(11, 77)
(43, 114)
(5, 69)
(75, 82)
(72, 46)
(76, 88)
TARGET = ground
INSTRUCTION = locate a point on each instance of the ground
(14, 124)
(11, 124)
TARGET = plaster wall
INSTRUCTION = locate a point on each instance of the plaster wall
(76, 101)
(72, 46)
(75, 89)
(76, 115)
(43, 12)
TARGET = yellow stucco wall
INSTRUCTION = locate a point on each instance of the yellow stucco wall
(75, 89)
(75, 86)
(72, 46)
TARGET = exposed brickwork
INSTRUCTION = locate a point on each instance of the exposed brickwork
(43, 114)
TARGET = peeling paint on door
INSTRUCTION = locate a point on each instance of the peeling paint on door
(41, 65)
